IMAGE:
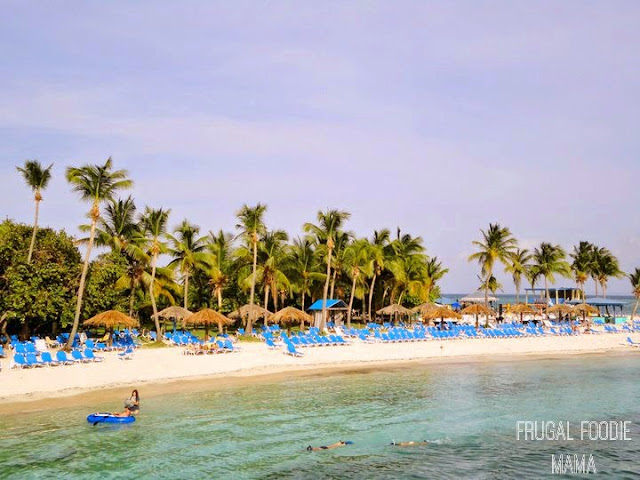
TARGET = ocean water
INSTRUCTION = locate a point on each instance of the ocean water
(468, 411)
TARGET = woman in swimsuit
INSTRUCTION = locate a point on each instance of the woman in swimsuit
(329, 447)
(131, 405)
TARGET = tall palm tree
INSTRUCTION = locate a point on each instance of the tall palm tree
(117, 228)
(342, 241)
(634, 278)
(37, 179)
(549, 260)
(303, 266)
(221, 247)
(582, 264)
(251, 226)
(325, 231)
(517, 267)
(409, 276)
(154, 226)
(357, 264)
(605, 266)
(497, 245)
(96, 184)
(189, 254)
(378, 248)
(434, 272)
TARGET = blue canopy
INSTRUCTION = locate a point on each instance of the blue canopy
(602, 302)
(331, 305)
(445, 301)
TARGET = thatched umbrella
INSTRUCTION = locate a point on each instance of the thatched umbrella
(585, 308)
(247, 311)
(176, 312)
(442, 313)
(424, 308)
(561, 309)
(477, 309)
(523, 309)
(393, 310)
(111, 319)
(290, 315)
(208, 317)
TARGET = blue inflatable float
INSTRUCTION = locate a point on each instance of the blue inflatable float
(108, 418)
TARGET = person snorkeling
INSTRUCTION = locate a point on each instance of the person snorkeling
(329, 447)
(409, 444)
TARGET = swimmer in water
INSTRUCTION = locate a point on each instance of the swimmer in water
(409, 444)
(329, 447)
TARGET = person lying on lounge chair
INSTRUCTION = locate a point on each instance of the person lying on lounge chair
(409, 444)
(329, 447)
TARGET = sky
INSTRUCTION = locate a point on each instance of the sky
(437, 117)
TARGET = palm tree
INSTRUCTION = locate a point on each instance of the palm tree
(117, 228)
(189, 253)
(497, 245)
(434, 272)
(582, 265)
(409, 276)
(37, 179)
(97, 184)
(329, 224)
(635, 285)
(303, 267)
(517, 267)
(549, 260)
(379, 247)
(221, 248)
(605, 266)
(357, 262)
(154, 225)
(251, 226)
(342, 241)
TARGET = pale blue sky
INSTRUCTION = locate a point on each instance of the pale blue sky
(438, 117)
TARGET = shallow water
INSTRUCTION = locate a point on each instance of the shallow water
(468, 412)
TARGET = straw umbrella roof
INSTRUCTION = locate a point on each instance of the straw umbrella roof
(522, 308)
(442, 312)
(424, 308)
(290, 315)
(477, 309)
(176, 312)
(584, 308)
(246, 310)
(110, 319)
(393, 309)
(561, 309)
(207, 316)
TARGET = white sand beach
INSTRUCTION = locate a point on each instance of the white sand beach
(159, 365)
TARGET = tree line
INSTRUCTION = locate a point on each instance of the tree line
(254, 264)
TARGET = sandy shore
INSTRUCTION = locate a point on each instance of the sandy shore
(160, 369)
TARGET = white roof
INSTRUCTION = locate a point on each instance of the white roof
(477, 297)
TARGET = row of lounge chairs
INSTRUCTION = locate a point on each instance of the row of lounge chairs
(30, 360)
(219, 346)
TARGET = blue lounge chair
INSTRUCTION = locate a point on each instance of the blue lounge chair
(78, 357)
(229, 346)
(46, 359)
(632, 343)
(88, 353)
(291, 350)
(33, 361)
(61, 356)
(126, 354)
(19, 361)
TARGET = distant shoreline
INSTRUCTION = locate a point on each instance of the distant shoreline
(162, 371)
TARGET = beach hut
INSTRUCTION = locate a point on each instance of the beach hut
(477, 297)
(607, 303)
(334, 307)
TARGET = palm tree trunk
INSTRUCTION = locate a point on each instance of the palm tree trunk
(486, 295)
(303, 295)
(153, 296)
(596, 283)
(635, 308)
(131, 296)
(333, 282)
(186, 290)
(546, 290)
(266, 302)
(250, 318)
(353, 291)
(33, 235)
(219, 291)
(83, 278)
(323, 320)
(373, 283)
(517, 292)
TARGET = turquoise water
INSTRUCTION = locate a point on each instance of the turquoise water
(469, 411)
